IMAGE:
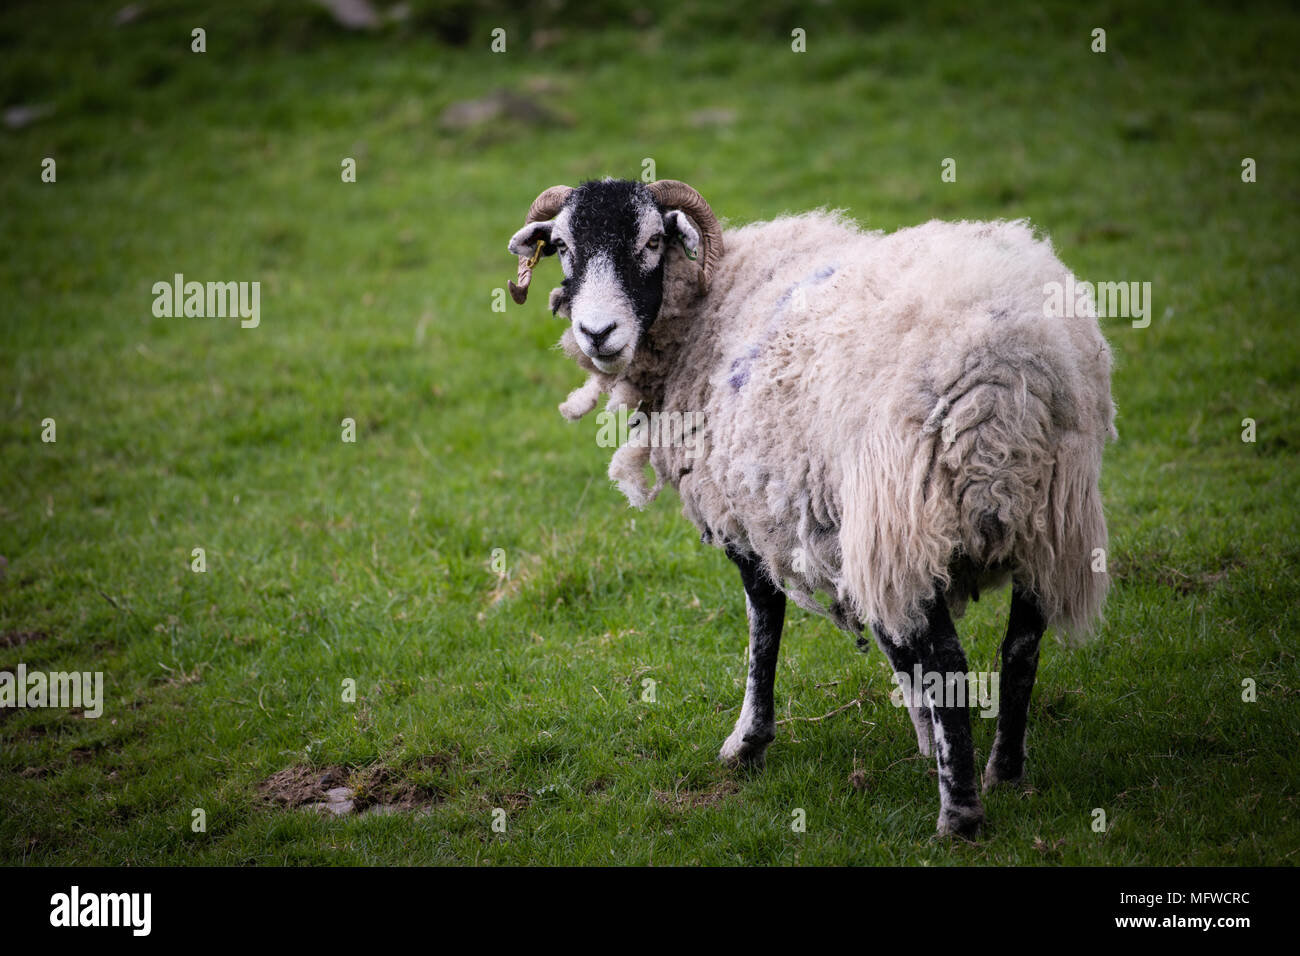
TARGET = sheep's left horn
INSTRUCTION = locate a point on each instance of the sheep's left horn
(672, 194)
(544, 207)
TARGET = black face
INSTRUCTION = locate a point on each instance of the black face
(620, 222)
(612, 240)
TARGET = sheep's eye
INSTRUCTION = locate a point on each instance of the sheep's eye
(559, 245)
(653, 244)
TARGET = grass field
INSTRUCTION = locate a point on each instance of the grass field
(372, 561)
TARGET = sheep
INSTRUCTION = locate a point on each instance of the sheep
(890, 420)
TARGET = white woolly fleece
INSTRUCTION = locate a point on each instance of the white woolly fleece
(883, 412)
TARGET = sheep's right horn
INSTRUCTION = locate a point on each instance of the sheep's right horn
(672, 194)
(544, 207)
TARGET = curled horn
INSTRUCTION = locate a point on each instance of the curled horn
(672, 194)
(544, 207)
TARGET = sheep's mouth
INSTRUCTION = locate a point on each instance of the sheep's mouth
(608, 362)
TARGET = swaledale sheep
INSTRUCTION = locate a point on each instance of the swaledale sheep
(890, 420)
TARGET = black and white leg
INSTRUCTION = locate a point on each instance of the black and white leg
(903, 659)
(765, 608)
(939, 650)
(1025, 628)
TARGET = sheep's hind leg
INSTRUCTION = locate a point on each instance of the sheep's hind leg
(765, 608)
(940, 652)
(1019, 668)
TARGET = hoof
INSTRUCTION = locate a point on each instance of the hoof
(993, 779)
(745, 750)
(996, 774)
(964, 822)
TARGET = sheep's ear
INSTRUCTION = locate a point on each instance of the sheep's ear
(676, 225)
(559, 303)
(523, 242)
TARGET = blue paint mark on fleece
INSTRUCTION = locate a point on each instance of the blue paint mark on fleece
(740, 368)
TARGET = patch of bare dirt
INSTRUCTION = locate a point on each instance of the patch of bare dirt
(858, 779)
(296, 786)
(380, 786)
(374, 789)
(19, 638)
(683, 799)
(506, 800)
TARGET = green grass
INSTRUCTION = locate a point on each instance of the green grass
(372, 561)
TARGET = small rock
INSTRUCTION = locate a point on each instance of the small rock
(340, 803)
(542, 85)
(352, 14)
(338, 809)
(545, 39)
(16, 117)
(500, 106)
(720, 116)
(128, 14)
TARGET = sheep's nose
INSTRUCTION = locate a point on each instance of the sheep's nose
(597, 336)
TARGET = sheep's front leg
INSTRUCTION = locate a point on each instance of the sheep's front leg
(765, 607)
(940, 653)
(904, 660)
(1019, 668)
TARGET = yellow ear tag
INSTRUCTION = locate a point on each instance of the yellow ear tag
(537, 253)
